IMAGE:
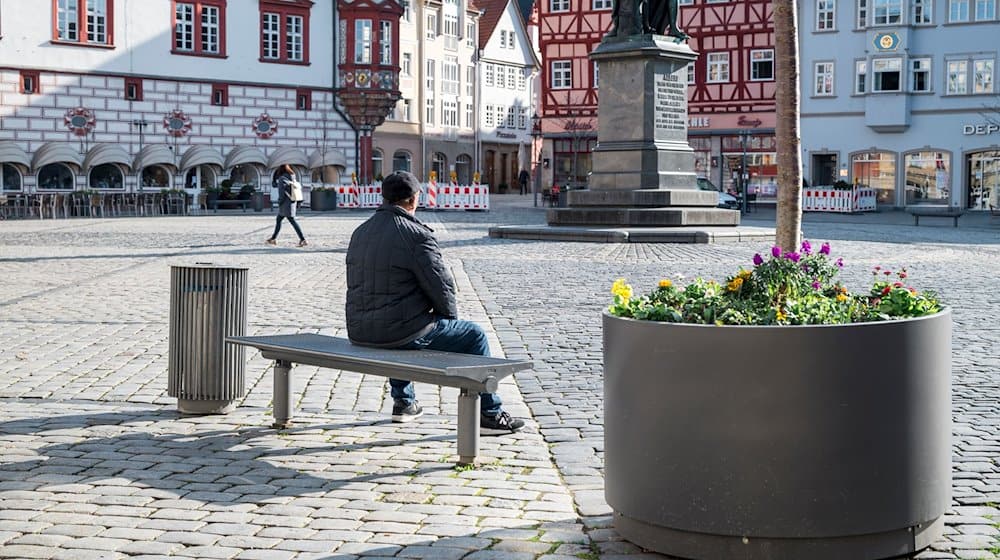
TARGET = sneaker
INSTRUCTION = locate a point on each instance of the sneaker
(270, 242)
(408, 413)
(502, 423)
(302, 243)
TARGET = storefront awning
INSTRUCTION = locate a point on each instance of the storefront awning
(12, 153)
(155, 154)
(201, 155)
(106, 153)
(56, 152)
(291, 156)
(329, 157)
(242, 155)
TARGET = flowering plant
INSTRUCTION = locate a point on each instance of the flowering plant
(788, 288)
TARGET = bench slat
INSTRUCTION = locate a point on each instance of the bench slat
(440, 368)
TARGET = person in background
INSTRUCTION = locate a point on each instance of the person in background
(286, 207)
(524, 178)
(400, 294)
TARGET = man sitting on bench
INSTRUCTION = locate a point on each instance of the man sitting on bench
(401, 295)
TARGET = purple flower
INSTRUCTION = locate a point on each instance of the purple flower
(839, 262)
(824, 249)
(815, 285)
(804, 267)
(775, 251)
(758, 260)
(794, 257)
(806, 247)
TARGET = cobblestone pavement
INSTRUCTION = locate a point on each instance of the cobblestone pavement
(96, 463)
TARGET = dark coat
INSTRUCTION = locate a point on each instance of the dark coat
(286, 207)
(397, 282)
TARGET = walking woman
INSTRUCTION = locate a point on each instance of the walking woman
(286, 203)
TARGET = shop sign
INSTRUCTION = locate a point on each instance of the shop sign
(886, 42)
(506, 135)
(752, 123)
(980, 129)
(699, 122)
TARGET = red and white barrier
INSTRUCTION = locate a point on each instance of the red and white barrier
(432, 196)
(859, 199)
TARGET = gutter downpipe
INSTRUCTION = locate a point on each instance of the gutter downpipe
(336, 87)
(422, 95)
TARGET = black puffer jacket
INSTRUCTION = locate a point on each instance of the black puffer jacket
(397, 283)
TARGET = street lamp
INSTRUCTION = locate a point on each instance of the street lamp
(536, 135)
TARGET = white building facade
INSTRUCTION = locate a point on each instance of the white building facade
(893, 98)
(128, 95)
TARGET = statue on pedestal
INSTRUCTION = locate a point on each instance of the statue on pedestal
(638, 17)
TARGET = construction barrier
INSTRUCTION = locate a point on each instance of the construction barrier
(432, 196)
(858, 199)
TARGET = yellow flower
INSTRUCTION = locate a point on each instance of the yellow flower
(666, 283)
(780, 315)
(841, 297)
(734, 284)
(620, 288)
(744, 274)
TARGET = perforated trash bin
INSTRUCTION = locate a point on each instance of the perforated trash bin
(207, 304)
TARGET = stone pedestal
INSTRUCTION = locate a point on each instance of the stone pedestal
(643, 167)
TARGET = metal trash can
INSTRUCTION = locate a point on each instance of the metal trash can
(207, 304)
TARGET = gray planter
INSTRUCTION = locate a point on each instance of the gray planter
(322, 201)
(818, 442)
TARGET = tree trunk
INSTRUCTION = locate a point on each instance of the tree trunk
(786, 54)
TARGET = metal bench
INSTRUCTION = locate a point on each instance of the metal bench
(469, 373)
(917, 213)
(229, 202)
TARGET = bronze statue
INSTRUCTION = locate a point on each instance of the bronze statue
(637, 17)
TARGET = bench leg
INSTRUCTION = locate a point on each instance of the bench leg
(916, 220)
(282, 394)
(468, 427)
(956, 222)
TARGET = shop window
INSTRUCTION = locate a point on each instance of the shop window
(200, 27)
(927, 177)
(284, 31)
(55, 177)
(220, 94)
(83, 22)
(133, 89)
(886, 74)
(11, 177)
(242, 175)
(155, 177)
(401, 161)
(107, 176)
(878, 171)
(984, 180)
(200, 177)
(303, 100)
(29, 82)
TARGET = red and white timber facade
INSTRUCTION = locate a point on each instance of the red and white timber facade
(731, 88)
(120, 96)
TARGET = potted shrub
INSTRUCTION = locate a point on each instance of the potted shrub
(323, 199)
(211, 195)
(777, 415)
(226, 189)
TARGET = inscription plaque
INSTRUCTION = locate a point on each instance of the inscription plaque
(671, 96)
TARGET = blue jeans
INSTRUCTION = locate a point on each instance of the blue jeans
(449, 335)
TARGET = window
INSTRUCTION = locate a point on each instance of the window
(439, 165)
(449, 113)
(762, 65)
(982, 76)
(377, 158)
(511, 117)
(430, 112)
(429, 77)
(718, 67)
(522, 118)
(860, 76)
(95, 17)
(405, 110)
(385, 42)
(488, 116)
(597, 75)
(468, 115)
(861, 14)
(923, 11)
(558, 5)
(401, 161)
(888, 12)
(407, 64)
(451, 25)
(106, 176)
(363, 41)
(463, 169)
(501, 114)
(920, 74)
(511, 77)
(562, 77)
(878, 171)
(303, 99)
(29, 82)
(825, 15)
(11, 177)
(522, 79)
(470, 35)
(220, 94)
(686, 3)
(470, 80)
(926, 177)
(503, 39)
(957, 77)
(133, 89)
(886, 73)
(601, 4)
(284, 31)
(55, 176)
(823, 84)
(449, 76)
(501, 76)
(407, 12)
(488, 74)
(958, 11)
(986, 10)
(200, 28)
(690, 73)
(432, 24)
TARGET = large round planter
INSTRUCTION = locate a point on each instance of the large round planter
(788, 442)
(324, 200)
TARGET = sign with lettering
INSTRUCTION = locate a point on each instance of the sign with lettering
(745, 121)
(980, 129)
(699, 122)
(671, 95)
(506, 134)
